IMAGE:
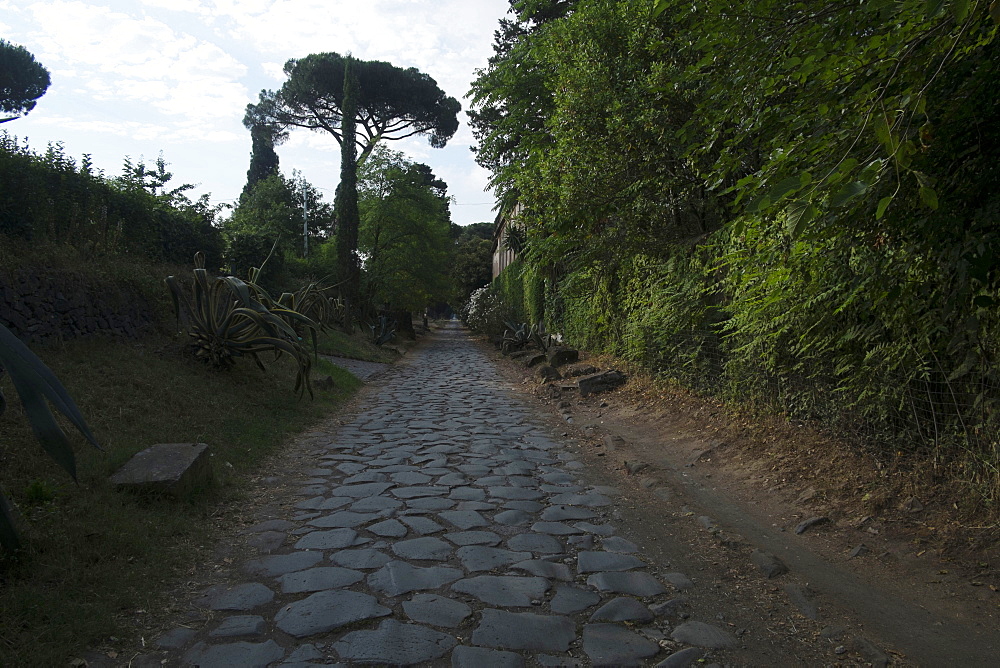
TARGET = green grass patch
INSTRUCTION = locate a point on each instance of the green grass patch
(96, 560)
(355, 346)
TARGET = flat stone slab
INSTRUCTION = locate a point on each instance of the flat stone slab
(595, 562)
(480, 558)
(279, 564)
(421, 525)
(515, 493)
(399, 577)
(427, 548)
(175, 469)
(332, 539)
(363, 559)
(467, 494)
(246, 596)
(617, 544)
(535, 542)
(562, 513)
(464, 538)
(244, 654)
(555, 529)
(389, 529)
(464, 519)
(636, 584)
(545, 569)
(362, 490)
(436, 610)
(622, 609)
(376, 504)
(327, 610)
(420, 491)
(433, 503)
(318, 579)
(524, 630)
(613, 645)
(701, 634)
(344, 518)
(266, 542)
(505, 590)
(573, 599)
(513, 517)
(465, 656)
(395, 643)
(239, 625)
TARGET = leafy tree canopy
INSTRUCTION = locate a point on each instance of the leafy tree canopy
(405, 232)
(22, 81)
(392, 103)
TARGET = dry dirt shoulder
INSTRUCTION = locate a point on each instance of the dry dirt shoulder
(704, 488)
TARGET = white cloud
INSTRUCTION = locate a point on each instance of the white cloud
(142, 59)
(192, 6)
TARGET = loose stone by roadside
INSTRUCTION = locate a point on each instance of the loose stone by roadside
(446, 524)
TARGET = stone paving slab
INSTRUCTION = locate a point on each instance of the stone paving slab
(443, 524)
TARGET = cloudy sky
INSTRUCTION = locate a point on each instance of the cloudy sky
(136, 77)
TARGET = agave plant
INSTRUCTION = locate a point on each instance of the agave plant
(225, 321)
(515, 338)
(538, 336)
(383, 331)
(37, 386)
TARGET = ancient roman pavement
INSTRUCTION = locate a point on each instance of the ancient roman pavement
(445, 524)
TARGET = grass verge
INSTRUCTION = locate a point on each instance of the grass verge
(96, 560)
(354, 346)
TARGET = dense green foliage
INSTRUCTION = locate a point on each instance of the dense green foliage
(405, 233)
(787, 203)
(49, 199)
(473, 257)
(22, 81)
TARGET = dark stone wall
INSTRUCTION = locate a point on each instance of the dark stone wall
(61, 306)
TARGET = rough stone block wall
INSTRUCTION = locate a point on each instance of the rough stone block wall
(63, 306)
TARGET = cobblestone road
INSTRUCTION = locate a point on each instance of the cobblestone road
(444, 525)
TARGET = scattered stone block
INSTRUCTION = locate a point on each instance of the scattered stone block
(682, 659)
(601, 382)
(859, 551)
(547, 373)
(558, 356)
(805, 525)
(768, 564)
(534, 359)
(576, 370)
(173, 469)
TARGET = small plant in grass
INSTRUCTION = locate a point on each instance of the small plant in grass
(37, 386)
(226, 320)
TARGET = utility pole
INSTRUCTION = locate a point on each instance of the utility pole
(305, 220)
(296, 174)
